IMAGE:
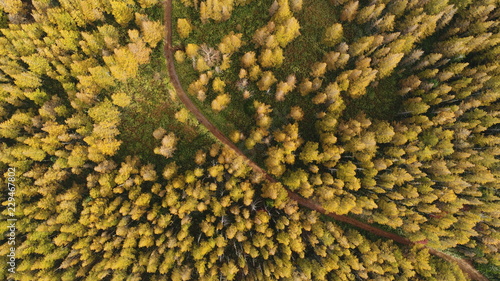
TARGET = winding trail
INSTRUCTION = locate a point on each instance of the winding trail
(174, 79)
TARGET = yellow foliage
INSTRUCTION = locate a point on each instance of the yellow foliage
(152, 32)
(184, 28)
(126, 64)
(122, 12)
(148, 3)
(220, 102)
(121, 99)
(12, 6)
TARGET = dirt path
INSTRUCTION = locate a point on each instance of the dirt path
(174, 79)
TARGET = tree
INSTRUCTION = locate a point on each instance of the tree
(271, 57)
(27, 80)
(333, 34)
(367, 13)
(184, 28)
(283, 13)
(121, 99)
(282, 89)
(37, 64)
(266, 81)
(260, 36)
(255, 72)
(296, 113)
(305, 87)
(416, 106)
(287, 32)
(152, 32)
(248, 59)
(383, 132)
(122, 12)
(168, 145)
(387, 64)
(123, 65)
(13, 6)
(231, 43)
(218, 85)
(318, 69)
(220, 102)
(296, 5)
(349, 12)
(361, 45)
(386, 23)
(310, 153)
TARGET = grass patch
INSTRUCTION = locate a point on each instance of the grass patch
(308, 48)
(153, 107)
(380, 102)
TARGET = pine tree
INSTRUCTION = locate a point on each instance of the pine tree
(350, 11)
(388, 63)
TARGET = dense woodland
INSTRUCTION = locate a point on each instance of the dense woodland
(385, 111)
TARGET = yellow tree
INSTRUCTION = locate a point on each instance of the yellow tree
(387, 64)
(288, 31)
(184, 28)
(266, 81)
(152, 32)
(168, 145)
(350, 11)
(123, 64)
(248, 59)
(283, 13)
(333, 34)
(122, 12)
(220, 102)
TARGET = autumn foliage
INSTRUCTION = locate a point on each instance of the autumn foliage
(394, 121)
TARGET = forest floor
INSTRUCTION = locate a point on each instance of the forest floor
(174, 79)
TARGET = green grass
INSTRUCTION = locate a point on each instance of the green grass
(152, 107)
(302, 52)
(380, 102)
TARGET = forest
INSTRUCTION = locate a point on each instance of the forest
(250, 140)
